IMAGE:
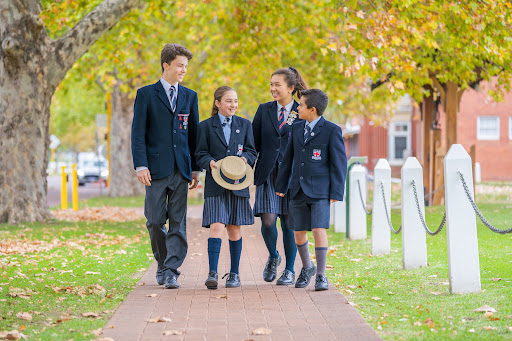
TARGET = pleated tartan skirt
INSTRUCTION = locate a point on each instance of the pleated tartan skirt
(267, 201)
(227, 209)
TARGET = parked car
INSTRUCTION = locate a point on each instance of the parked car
(91, 169)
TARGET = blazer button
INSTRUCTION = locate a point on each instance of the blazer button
(174, 131)
(174, 146)
(303, 150)
(277, 149)
(229, 150)
(301, 178)
(302, 164)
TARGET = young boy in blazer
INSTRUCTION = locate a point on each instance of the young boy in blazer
(317, 153)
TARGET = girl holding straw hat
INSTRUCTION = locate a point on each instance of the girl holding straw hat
(225, 148)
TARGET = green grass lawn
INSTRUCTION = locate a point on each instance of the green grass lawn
(417, 304)
(57, 272)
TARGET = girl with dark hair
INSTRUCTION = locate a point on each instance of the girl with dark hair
(225, 143)
(272, 129)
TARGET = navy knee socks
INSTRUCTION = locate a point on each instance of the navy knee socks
(213, 252)
(235, 249)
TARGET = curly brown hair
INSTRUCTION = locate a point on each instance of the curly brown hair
(171, 51)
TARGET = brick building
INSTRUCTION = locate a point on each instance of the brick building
(481, 122)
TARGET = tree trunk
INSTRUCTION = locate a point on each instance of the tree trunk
(427, 111)
(451, 108)
(31, 67)
(123, 180)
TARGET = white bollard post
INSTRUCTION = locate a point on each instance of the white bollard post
(463, 262)
(340, 216)
(357, 214)
(331, 215)
(381, 234)
(414, 239)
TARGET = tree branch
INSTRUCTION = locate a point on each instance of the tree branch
(68, 49)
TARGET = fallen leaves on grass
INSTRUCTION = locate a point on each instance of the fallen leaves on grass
(12, 335)
(261, 331)
(355, 260)
(489, 328)
(485, 308)
(375, 298)
(172, 332)
(429, 322)
(90, 314)
(92, 273)
(105, 213)
(159, 319)
(496, 279)
(24, 316)
(435, 293)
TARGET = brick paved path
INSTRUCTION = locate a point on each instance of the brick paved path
(233, 314)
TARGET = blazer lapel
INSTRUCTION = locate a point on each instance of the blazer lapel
(182, 98)
(316, 129)
(233, 139)
(162, 95)
(300, 132)
(218, 129)
(273, 115)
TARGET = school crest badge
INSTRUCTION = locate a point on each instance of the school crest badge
(240, 149)
(291, 118)
(317, 154)
(183, 118)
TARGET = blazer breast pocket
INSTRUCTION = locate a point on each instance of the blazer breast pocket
(183, 117)
(318, 152)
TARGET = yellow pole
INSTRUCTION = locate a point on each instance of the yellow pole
(109, 118)
(75, 189)
(64, 190)
(53, 154)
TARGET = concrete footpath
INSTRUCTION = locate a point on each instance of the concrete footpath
(256, 311)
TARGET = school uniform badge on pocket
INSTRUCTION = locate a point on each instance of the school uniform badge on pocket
(317, 154)
(291, 118)
(240, 149)
(183, 118)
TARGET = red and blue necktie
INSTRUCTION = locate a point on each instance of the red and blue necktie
(280, 121)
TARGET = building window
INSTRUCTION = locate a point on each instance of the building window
(399, 135)
(488, 128)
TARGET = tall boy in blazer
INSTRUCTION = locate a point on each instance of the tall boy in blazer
(164, 131)
(317, 153)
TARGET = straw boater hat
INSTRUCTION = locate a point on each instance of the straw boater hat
(233, 173)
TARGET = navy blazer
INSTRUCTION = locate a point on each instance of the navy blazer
(319, 165)
(162, 138)
(269, 142)
(211, 145)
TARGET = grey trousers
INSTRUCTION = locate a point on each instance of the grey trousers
(167, 199)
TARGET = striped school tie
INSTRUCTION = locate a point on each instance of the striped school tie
(307, 131)
(280, 121)
(173, 99)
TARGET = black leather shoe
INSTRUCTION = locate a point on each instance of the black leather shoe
(171, 282)
(212, 281)
(305, 277)
(321, 283)
(233, 280)
(286, 278)
(160, 275)
(270, 271)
